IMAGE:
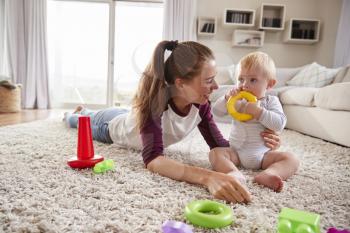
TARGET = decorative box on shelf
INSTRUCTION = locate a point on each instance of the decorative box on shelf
(302, 31)
(272, 17)
(239, 17)
(207, 26)
(248, 38)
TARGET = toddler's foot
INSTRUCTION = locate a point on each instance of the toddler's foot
(271, 181)
(239, 176)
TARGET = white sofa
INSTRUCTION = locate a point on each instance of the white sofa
(322, 112)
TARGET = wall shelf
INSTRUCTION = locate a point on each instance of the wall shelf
(302, 31)
(207, 26)
(239, 17)
(248, 38)
(272, 17)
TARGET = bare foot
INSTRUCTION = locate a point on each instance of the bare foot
(78, 109)
(271, 181)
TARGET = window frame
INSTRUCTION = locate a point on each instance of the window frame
(111, 48)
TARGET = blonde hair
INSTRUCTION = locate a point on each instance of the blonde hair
(185, 62)
(258, 61)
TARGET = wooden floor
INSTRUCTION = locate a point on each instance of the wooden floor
(27, 116)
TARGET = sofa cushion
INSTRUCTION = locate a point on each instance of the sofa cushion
(341, 74)
(225, 75)
(313, 75)
(299, 96)
(335, 97)
(277, 91)
(346, 77)
(285, 74)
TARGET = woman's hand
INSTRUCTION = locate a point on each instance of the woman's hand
(228, 188)
(222, 186)
(271, 138)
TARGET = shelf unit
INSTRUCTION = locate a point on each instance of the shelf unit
(272, 16)
(239, 17)
(302, 31)
(248, 38)
(207, 26)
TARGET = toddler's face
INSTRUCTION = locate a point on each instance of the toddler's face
(254, 82)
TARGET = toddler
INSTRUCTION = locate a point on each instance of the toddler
(257, 74)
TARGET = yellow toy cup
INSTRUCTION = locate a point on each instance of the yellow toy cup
(230, 105)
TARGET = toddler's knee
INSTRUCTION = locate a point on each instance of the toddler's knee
(292, 158)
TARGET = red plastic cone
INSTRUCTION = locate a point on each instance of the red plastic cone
(85, 150)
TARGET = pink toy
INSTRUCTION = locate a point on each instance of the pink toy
(175, 227)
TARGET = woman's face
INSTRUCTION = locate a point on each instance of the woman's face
(200, 87)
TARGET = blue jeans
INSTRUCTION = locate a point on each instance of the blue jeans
(99, 122)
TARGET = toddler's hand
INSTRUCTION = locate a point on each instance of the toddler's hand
(252, 109)
(234, 91)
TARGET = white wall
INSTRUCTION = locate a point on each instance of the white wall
(284, 55)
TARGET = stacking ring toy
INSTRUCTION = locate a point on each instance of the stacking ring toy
(209, 214)
(230, 105)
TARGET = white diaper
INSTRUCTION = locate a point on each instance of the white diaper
(252, 158)
(245, 139)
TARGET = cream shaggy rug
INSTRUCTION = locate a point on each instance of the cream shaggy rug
(40, 193)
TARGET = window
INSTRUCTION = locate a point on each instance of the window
(78, 34)
(138, 29)
(80, 41)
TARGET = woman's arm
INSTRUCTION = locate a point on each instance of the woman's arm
(220, 185)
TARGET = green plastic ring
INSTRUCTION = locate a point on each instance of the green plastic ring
(208, 214)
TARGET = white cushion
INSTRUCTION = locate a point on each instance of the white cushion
(277, 91)
(225, 75)
(346, 77)
(313, 75)
(285, 74)
(335, 96)
(343, 71)
(299, 96)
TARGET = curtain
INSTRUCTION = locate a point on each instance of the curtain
(180, 20)
(342, 46)
(27, 46)
(2, 37)
(4, 59)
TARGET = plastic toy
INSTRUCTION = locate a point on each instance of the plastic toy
(106, 165)
(334, 230)
(85, 150)
(175, 227)
(230, 105)
(209, 214)
(296, 221)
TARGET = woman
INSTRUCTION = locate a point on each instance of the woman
(171, 101)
